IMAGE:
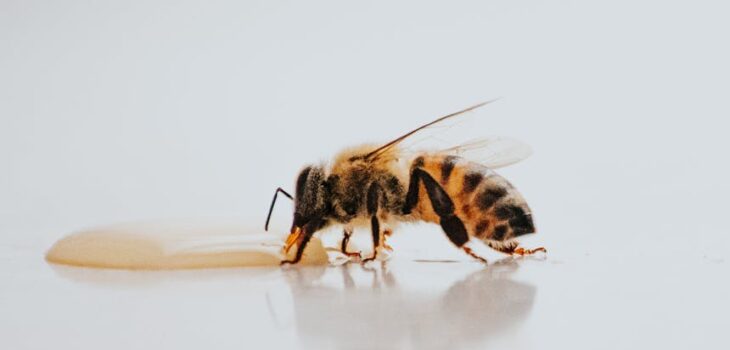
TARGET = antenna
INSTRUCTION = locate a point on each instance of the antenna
(271, 209)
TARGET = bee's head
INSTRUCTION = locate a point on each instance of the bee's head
(311, 200)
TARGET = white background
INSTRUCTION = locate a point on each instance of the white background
(134, 110)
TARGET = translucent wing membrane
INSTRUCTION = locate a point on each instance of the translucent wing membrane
(446, 135)
(445, 122)
(494, 152)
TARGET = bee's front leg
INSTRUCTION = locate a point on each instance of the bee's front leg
(346, 239)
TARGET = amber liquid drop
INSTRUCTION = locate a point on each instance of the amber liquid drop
(175, 245)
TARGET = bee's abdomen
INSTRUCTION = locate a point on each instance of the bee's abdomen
(490, 207)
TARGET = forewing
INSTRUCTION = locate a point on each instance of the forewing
(423, 132)
(493, 152)
(441, 135)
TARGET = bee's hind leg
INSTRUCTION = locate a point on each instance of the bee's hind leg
(473, 255)
(443, 205)
(346, 239)
(513, 248)
(522, 251)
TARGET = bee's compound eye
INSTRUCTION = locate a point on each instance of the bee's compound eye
(302, 181)
(312, 194)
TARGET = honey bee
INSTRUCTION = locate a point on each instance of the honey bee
(381, 185)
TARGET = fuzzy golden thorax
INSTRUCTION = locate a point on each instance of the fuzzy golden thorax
(352, 179)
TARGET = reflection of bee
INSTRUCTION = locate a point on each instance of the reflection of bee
(371, 185)
(471, 308)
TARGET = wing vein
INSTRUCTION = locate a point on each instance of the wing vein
(374, 154)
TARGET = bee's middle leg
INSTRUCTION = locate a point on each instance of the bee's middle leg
(374, 193)
(443, 205)
(387, 233)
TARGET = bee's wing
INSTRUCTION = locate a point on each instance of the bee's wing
(438, 137)
(437, 126)
(493, 152)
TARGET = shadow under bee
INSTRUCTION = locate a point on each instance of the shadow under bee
(369, 308)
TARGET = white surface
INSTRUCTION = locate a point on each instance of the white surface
(166, 109)
(586, 300)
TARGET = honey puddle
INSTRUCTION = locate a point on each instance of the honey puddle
(175, 245)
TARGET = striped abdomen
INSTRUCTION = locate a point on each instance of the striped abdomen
(490, 207)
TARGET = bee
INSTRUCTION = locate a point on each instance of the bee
(381, 186)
